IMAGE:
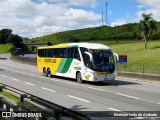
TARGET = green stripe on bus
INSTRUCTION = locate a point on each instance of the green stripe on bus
(61, 65)
(67, 65)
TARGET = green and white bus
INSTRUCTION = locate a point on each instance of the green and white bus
(81, 61)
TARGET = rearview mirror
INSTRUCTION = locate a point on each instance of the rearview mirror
(90, 56)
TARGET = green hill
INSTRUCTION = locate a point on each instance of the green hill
(5, 48)
(124, 40)
(124, 32)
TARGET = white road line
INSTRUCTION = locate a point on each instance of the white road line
(113, 109)
(95, 88)
(4, 76)
(15, 79)
(127, 96)
(48, 89)
(78, 98)
(159, 103)
(140, 118)
(28, 83)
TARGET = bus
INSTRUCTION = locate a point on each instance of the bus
(81, 61)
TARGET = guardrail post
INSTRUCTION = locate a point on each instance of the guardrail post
(143, 68)
(1, 88)
(130, 67)
(1, 104)
(7, 108)
(22, 96)
(158, 69)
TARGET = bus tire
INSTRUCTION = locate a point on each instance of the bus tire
(43, 73)
(49, 72)
(46, 73)
(79, 77)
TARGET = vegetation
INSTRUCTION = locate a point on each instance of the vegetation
(6, 48)
(147, 25)
(139, 59)
(17, 100)
(6, 36)
(125, 32)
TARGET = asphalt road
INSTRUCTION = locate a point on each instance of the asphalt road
(118, 95)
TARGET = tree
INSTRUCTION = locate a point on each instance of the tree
(4, 34)
(73, 39)
(147, 25)
(49, 43)
(15, 39)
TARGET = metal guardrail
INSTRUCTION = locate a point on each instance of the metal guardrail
(24, 59)
(53, 109)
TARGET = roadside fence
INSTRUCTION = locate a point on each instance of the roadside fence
(142, 68)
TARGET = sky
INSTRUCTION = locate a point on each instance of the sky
(35, 18)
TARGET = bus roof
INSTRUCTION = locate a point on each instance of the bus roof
(82, 44)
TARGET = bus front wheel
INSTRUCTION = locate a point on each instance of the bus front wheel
(79, 77)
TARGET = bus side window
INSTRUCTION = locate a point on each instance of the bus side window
(49, 52)
(40, 53)
(59, 53)
(76, 53)
(87, 60)
(66, 53)
(53, 53)
(70, 53)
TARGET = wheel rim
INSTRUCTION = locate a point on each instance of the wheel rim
(79, 78)
(46, 73)
(49, 73)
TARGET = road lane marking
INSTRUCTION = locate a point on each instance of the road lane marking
(78, 98)
(48, 89)
(127, 96)
(28, 83)
(113, 109)
(95, 88)
(142, 118)
(15, 79)
(4, 76)
(159, 103)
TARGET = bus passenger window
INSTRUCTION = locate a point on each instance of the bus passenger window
(45, 53)
(76, 54)
(70, 53)
(66, 53)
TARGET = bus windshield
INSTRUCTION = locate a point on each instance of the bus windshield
(103, 60)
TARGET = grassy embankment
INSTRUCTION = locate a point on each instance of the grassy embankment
(5, 48)
(137, 56)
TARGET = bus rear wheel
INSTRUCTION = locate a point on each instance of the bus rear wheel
(79, 77)
(45, 73)
(49, 72)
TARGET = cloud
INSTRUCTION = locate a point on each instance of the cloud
(144, 6)
(91, 3)
(152, 6)
(31, 18)
(118, 22)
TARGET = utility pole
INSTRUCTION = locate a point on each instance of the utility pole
(102, 18)
(106, 12)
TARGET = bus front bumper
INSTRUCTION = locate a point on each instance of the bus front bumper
(104, 77)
